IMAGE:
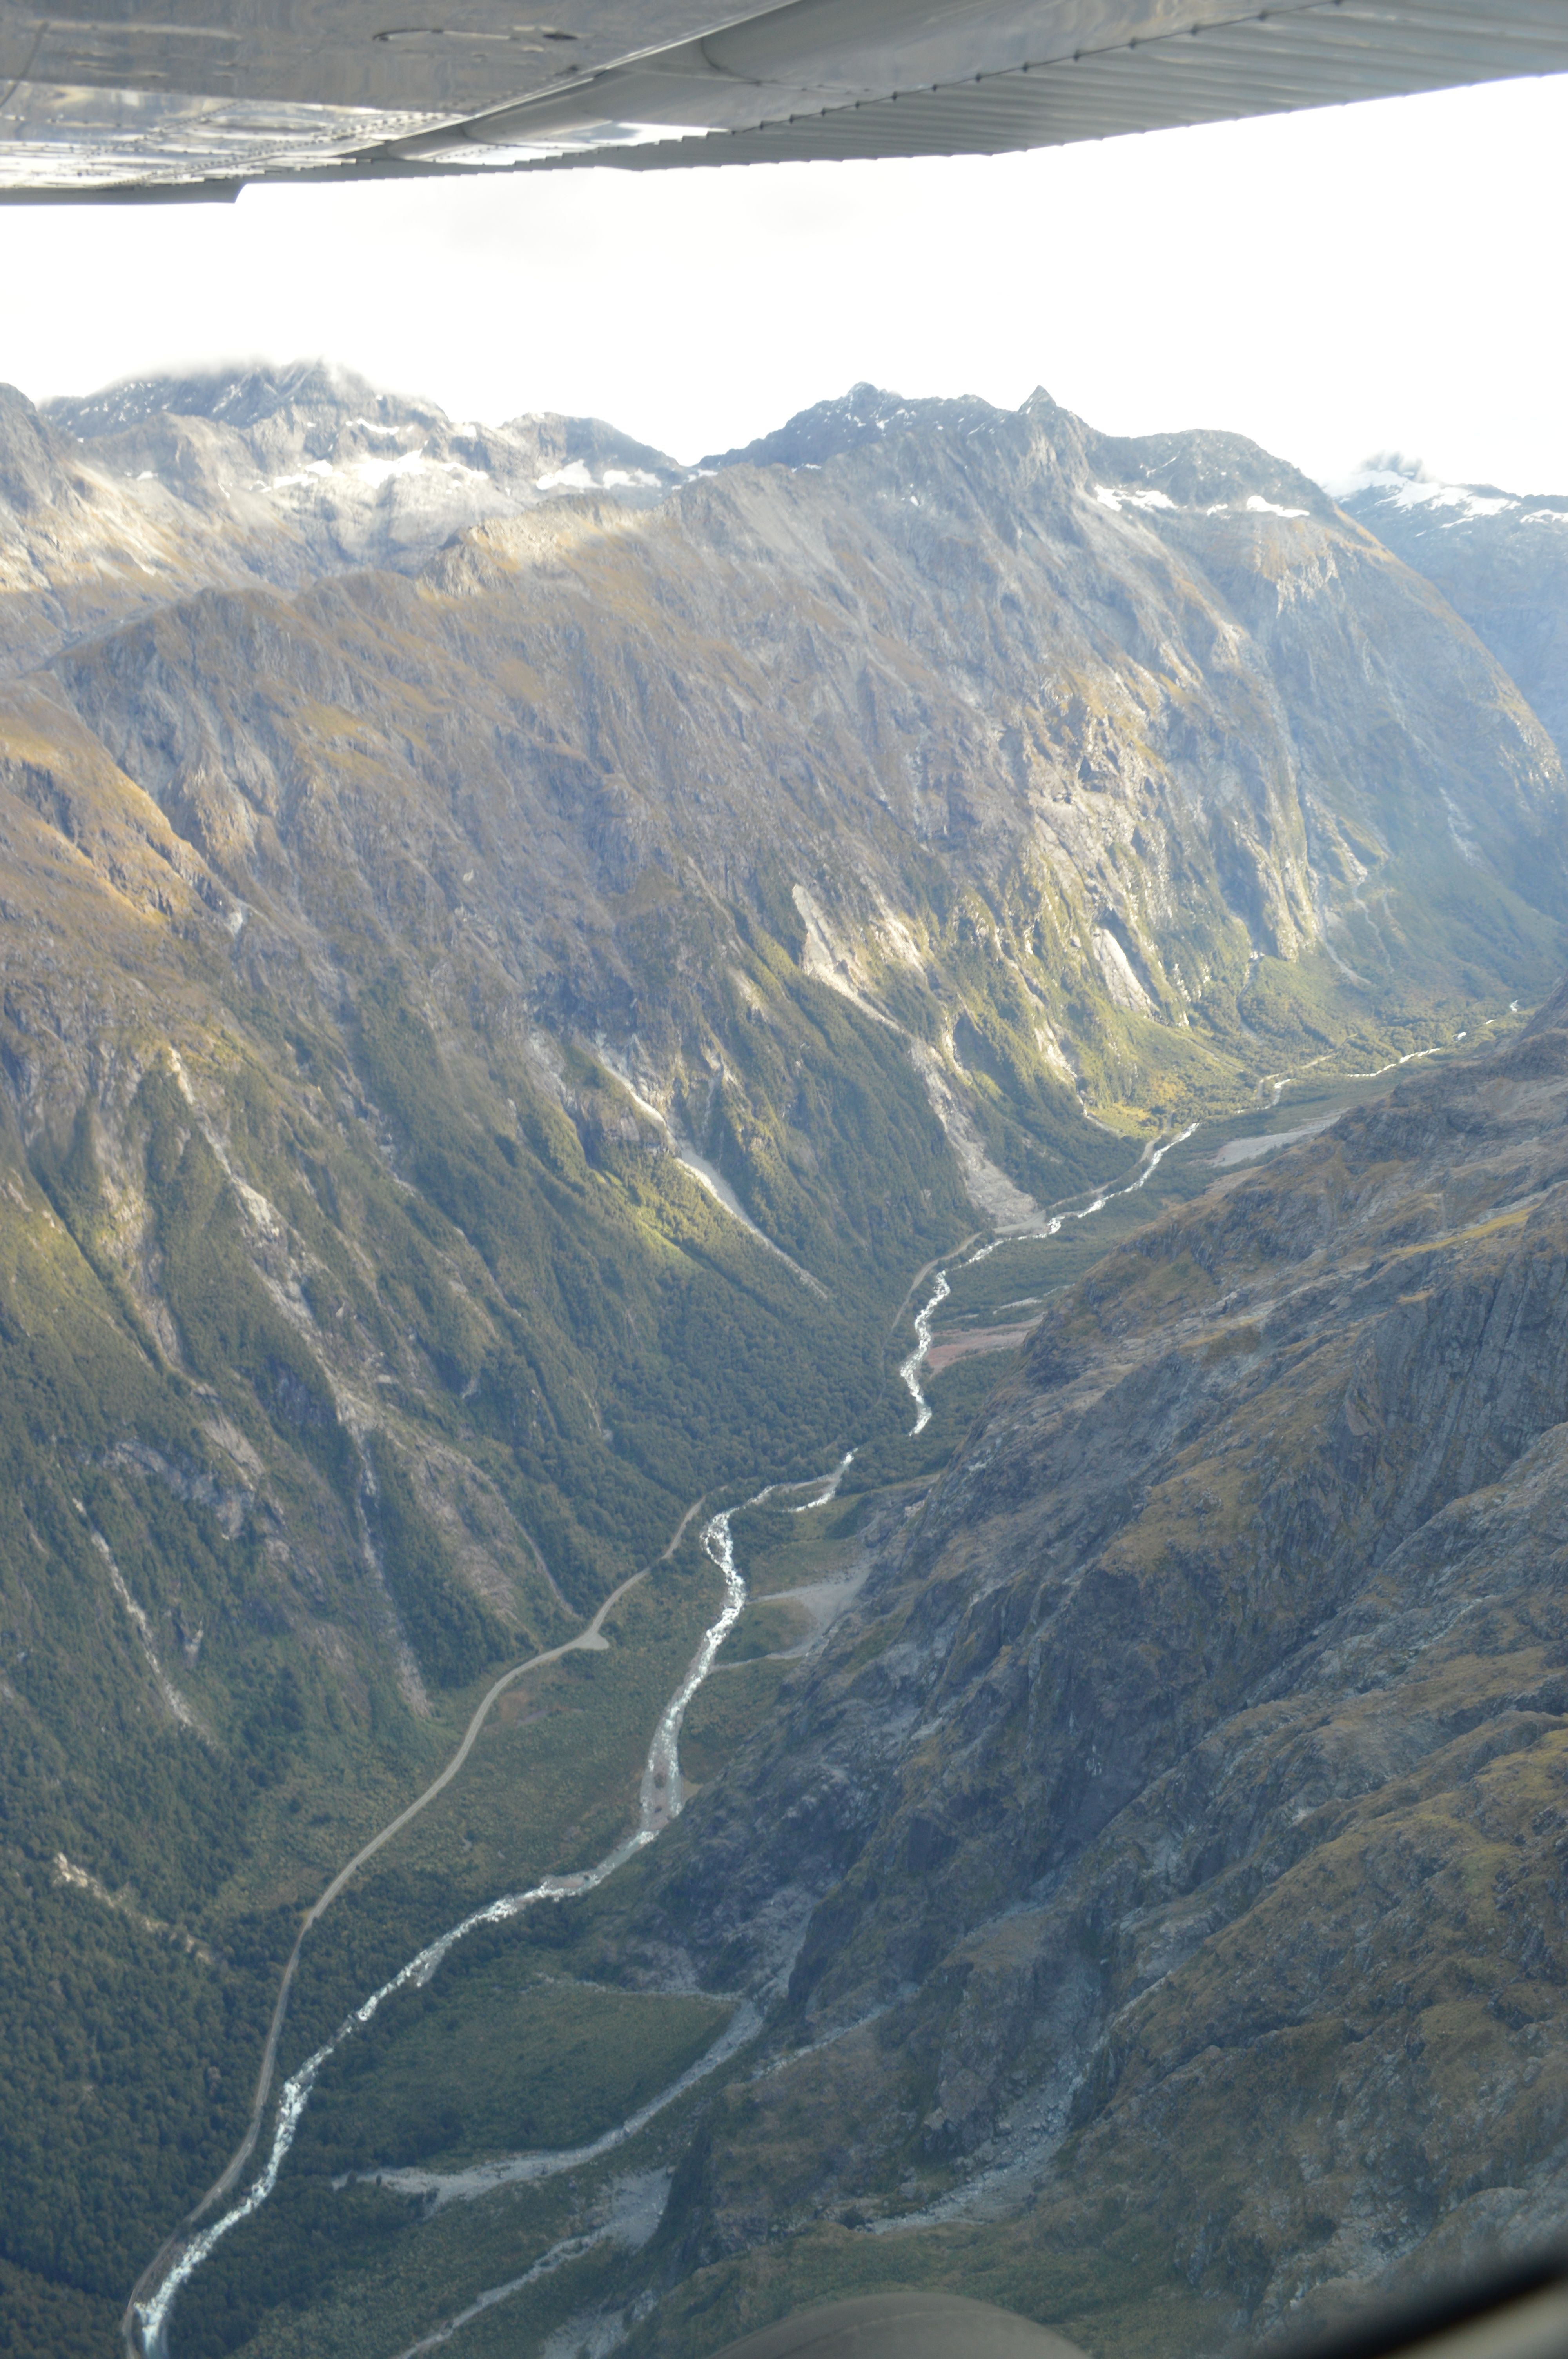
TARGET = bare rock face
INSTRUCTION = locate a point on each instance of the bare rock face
(36, 470)
(343, 475)
(865, 414)
(1500, 558)
(1197, 1762)
(73, 552)
(133, 497)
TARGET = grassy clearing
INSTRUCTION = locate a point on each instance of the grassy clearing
(496, 2057)
(769, 1627)
(1465, 1236)
(551, 1785)
(778, 1550)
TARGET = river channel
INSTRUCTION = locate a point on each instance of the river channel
(659, 1802)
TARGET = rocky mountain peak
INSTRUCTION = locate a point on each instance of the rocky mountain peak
(307, 396)
(315, 413)
(866, 413)
(36, 468)
(589, 455)
(1405, 489)
(1201, 469)
(309, 413)
(1198, 470)
(285, 472)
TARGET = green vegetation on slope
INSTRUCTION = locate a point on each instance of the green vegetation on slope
(573, 1349)
(362, 1326)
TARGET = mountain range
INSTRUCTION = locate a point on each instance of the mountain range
(521, 962)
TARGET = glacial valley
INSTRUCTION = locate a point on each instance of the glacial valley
(555, 1004)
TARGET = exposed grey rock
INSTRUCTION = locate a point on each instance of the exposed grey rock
(428, 849)
(1183, 1802)
(1500, 558)
(341, 473)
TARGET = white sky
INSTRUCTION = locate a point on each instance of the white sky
(1330, 284)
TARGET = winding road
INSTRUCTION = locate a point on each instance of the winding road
(146, 2313)
(591, 1638)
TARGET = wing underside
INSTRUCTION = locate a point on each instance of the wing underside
(268, 91)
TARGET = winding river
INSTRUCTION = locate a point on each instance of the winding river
(910, 1374)
(659, 1802)
(914, 1367)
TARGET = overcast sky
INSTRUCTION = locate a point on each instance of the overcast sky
(1330, 284)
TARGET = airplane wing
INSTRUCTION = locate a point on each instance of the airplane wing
(181, 99)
